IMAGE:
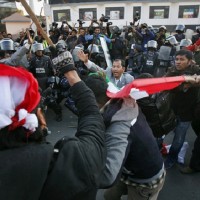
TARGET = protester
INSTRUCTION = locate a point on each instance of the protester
(183, 102)
(95, 157)
(16, 58)
(140, 178)
(18, 137)
(116, 74)
(194, 164)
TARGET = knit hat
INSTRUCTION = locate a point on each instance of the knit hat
(19, 96)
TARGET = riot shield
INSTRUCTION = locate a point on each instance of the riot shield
(164, 53)
(189, 33)
(7, 44)
(106, 52)
(75, 53)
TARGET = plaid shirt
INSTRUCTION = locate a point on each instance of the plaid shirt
(153, 184)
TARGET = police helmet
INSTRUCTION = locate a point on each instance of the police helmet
(180, 27)
(7, 44)
(185, 42)
(75, 52)
(93, 49)
(116, 30)
(37, 47)
(47, 51)
(60, 47)
(79, 46)
(172, 40)
(152, 44)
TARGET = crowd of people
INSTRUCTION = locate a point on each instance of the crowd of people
(124, 110)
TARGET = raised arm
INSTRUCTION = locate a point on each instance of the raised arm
(80, 159)
(89, 64)
(19, 55)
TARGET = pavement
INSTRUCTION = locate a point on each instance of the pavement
(177, 186)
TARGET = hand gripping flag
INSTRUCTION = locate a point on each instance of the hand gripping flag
(140, 88)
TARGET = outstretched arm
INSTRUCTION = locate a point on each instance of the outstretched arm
(117, 138)
(89, 64)
(140, 88)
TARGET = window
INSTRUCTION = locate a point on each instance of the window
(87, 14)
(79, 1)
(188, 11)
(159, 12)
(61, 15)
(115, 13)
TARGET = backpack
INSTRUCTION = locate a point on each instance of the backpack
(158, 112)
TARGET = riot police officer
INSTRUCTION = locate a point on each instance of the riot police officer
(81, 68)
(150, 58)
(135, 60)
(42, 68)
(96, 55)
(166, 56)
(180, 29)
(10, 56)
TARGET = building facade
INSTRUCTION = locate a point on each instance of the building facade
(155, 12)
(36, 6)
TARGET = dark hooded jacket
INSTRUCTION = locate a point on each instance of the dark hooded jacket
(27, 173)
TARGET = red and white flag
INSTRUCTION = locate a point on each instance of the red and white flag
(19, 96)
(140, 88)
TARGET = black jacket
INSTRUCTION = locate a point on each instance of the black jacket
(76, 168)
(23, 171)
(183, 100)
(41, 68)
(81, 159)
(144, 159)
(158, 112)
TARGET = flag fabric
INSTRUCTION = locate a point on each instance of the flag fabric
(140, 88)
(19, 96)
(192, 47)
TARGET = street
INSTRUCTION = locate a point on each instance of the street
(177, 186)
